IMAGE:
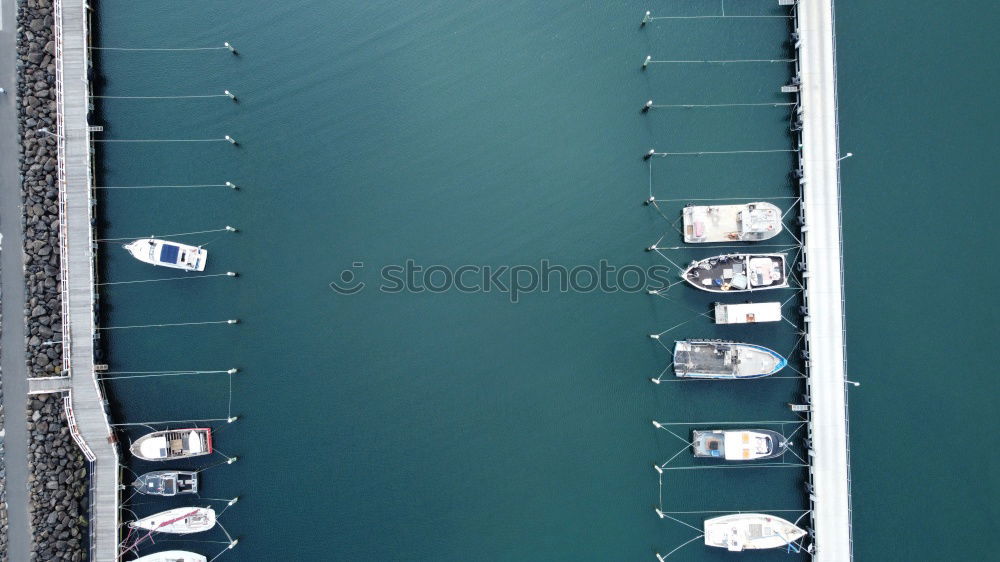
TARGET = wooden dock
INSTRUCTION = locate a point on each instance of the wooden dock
(85, 405)
(829, 453)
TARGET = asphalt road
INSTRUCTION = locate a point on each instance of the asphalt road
(14, 371)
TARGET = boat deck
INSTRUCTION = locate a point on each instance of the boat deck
(738, 272)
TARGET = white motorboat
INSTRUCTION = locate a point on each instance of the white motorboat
(750, 531)
(178, 521)
(749, 222)
(738, 445)
(173, 444)
(172, 556)
(734, 273)
(714, 359)
(168, 254)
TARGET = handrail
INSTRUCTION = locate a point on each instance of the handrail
(74, 429)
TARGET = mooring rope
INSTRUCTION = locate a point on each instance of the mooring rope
(720, 61)
(667, 555)
(159, 140)
(704, 152)
(704, 105)
(157, 48)
(160, 186)
(231, 321)
(152, 423)
(161, 97)
(651, 18)
(228, 228)
(685, 199)
(166, 279)
(162, 374)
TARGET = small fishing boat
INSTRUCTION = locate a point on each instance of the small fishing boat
(750, 531)
(167, 483)
(173, 444)
(168, 254)
(738, 445)
(714, 359)
(733, 273)
(747, 313)
(178, 521)
(750, 222)
(172, 556)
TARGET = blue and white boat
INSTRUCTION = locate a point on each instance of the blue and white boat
(716, 359)
(168, 254)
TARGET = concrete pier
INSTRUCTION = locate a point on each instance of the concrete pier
(85, 403)
(829, 470)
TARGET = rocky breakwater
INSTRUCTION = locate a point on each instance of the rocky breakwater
(57, 469)
(37, 110)
(58, 483)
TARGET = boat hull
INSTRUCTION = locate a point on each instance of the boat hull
(750, 222)
(750, 531)
(737, 445)
(738, 273)
(164, 253)
(167, 483)
(172, 556)
(718, 360)
(173, 444)
(178, 521)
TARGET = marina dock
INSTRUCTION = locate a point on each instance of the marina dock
(85, 404)
(829, 454)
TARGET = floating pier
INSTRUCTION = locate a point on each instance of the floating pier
(85, 403)
(819, 161)
(824, 407)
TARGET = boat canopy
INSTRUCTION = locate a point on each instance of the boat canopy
(169, 253)
(154, 447)
(746, 445)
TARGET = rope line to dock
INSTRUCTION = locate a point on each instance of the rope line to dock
(703, 152)
(653, 18)
(165, 279)
(702, 105)
(719, 61)
(680, 199)
(160, 186)
(228, 228)
(766, 422)
(160, 97)
(157, 48)
(707, 511)
(164, 374)
(147, 424)
(166, 325)
(159, 140)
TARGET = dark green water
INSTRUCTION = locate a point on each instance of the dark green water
(462, 426)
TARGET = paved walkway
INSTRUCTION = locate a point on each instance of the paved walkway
(12, 341)
(88, 418)
(830, 467)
